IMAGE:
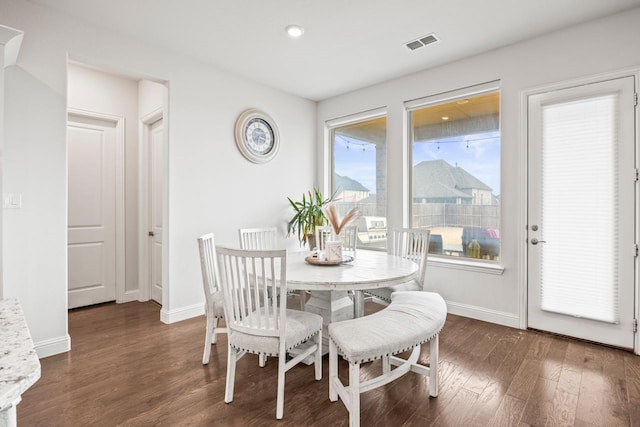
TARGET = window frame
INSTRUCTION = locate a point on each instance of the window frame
(329, 131)
(478, 265)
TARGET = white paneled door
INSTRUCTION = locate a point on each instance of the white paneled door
(155, 211)
(91, 210)
(581, 211)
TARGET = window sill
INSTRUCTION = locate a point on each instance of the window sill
(487, 267)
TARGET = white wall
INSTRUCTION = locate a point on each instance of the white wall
(10, 41)
(211, 186)
(600, 46)
(150, 97)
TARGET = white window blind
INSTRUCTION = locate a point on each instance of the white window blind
(579, 275)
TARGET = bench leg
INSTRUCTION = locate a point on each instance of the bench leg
(386, 364)
(354, 392)
(433, 366)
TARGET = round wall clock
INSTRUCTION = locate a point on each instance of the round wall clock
(257, 136)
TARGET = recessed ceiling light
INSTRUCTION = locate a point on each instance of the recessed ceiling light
(463, 101)
(294, 31)
(445, 118)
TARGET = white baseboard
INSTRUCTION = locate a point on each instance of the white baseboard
(53, 346)
(484, 314)
(183, 313)
(131, 296)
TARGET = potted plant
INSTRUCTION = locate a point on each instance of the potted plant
(308, 215)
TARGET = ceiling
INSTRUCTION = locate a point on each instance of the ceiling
(347, 44)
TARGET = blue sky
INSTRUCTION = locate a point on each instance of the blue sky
(477, 154)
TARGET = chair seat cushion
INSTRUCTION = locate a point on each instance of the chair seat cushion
(412, 318)
(215, 305)
(301, 326)
(385, 293)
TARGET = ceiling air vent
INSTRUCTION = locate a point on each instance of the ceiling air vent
(422, 41)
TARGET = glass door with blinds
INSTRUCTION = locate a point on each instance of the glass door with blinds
(581, 212)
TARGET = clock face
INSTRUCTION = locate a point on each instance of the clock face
(259, 136)
(256, 136)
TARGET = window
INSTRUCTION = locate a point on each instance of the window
(359, 177)
(455, 156)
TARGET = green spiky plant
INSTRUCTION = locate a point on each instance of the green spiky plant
(308, 215)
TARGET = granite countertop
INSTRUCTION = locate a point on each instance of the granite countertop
(19, 364)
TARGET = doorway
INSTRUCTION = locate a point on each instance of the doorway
(96, 95)
(581, 256)
(152, 166)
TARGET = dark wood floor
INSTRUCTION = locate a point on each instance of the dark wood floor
(128, 368)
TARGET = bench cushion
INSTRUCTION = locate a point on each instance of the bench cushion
(412, 318)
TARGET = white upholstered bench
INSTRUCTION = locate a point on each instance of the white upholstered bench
(412, 318)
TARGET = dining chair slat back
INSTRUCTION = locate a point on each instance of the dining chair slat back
(214, 309)
(323, 233)
(263, 238)
(413, 244)
(258, 238)
(348, 236)
(248, 277)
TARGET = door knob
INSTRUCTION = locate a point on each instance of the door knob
(535, 241)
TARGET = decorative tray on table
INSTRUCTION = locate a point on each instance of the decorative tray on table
(313, 259)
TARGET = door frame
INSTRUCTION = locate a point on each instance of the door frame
(144, 249)
(524, 184)
(119, 123)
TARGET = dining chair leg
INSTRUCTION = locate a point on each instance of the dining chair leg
(318, 360)
(209, 338)
(354, 394)
(214, 326)
(280, 395)
(333, 370)
(232, 357)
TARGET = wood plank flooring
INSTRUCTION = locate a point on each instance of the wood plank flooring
(127, 368)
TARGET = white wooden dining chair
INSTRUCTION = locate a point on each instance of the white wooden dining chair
(256, 323)
(214, 309)
(409, 243)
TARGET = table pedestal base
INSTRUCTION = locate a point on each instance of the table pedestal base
(333, 306)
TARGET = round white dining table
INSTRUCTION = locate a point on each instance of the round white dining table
(329, 284)
(369, 269)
